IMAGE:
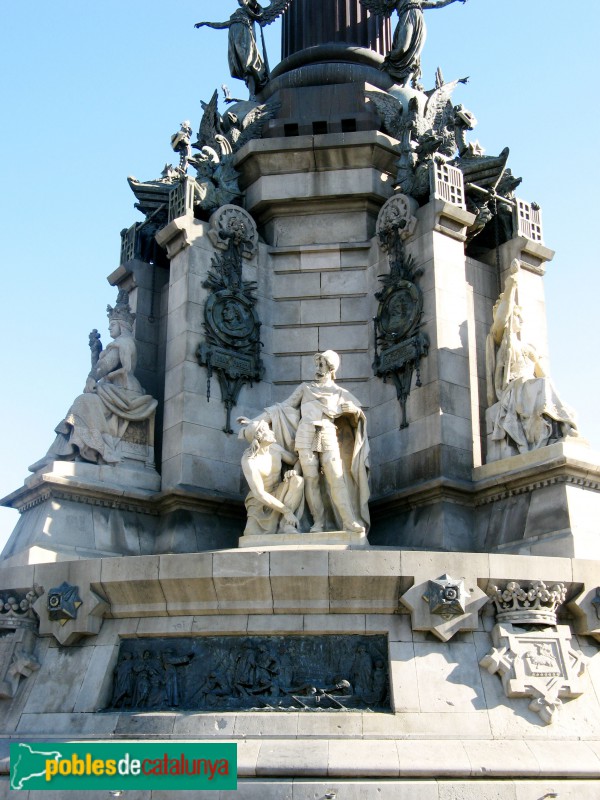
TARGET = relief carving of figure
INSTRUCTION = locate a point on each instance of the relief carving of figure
(541, 660)
(245, 60)
(123, 681)
(111, 399)
(324, 424)
(170, 662)
(528, 409)
(362, 670)
(403, 62)
(143, 670)
(244, 671)
(212, 689)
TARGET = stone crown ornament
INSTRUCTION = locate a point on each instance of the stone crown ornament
(122, 311)
(16, 607)
(536, 605)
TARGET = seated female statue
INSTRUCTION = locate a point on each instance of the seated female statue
(112, 398)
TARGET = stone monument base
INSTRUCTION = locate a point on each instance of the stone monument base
(336, 538)
(452, 729)
(71, 510)
(544, 502)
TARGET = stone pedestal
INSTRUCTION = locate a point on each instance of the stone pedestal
(449, 716)
(342, 539)
(73, 510)
(545, 502)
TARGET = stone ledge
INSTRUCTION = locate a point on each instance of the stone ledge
(298, 541)
(385, 758)
(131, 489)
(370, 789)
(570, 460)
(262, 157)
(280, 581)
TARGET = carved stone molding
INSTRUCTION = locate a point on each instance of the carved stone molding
(586, 612)
(231, 324)
(69, 613)
(535, 604)
(18, 635)
(444, 606)
(573, 480)
(30, 497)
(539, 664)
(399, 343)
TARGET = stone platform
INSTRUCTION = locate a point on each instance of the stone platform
(451, 732)
(303, 540)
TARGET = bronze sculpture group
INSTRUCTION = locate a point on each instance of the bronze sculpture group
(246, 63)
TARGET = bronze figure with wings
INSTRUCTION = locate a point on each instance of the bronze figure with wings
(403, 62)
(245, 59)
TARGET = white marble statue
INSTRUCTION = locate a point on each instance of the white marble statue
(112, 398)
(324, 424)
(527, 408)
(273, 500)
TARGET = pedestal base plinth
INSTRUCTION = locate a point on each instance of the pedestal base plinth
(325, 538)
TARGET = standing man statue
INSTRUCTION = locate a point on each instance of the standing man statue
(325, 425)
(245, 60)
(403, 62)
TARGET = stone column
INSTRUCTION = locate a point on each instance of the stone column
(201, 473)
(308, 23)
(421, 474)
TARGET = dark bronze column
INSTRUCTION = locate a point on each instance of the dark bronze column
(307, 23)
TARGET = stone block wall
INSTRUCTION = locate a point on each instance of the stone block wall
(450, 721)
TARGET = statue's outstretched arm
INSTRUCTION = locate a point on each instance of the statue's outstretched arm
(215, 25)
(439, 3)
(504, 308)
(291, 459)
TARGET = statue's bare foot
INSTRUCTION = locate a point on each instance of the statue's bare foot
(317, 527)
(355, 527)
(288, 529)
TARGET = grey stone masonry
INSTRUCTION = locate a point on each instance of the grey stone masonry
(448, 714)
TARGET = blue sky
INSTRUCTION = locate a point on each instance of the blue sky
(91, 93)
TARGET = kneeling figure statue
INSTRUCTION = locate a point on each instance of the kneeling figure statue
(272, 502)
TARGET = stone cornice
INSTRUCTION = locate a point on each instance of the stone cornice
(316, 580)
(561, 463)
(53, 487)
